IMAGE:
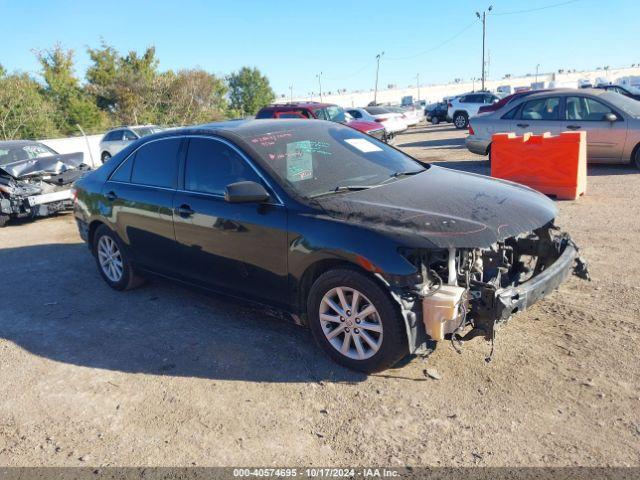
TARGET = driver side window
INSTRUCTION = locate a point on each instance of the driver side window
(586, 109)
(212, 165)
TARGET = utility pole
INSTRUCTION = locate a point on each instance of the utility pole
(375, 92)
(290, 93)
(473, 80)
(418, 84)
(537, 68)
(319, 77)
(483, 19)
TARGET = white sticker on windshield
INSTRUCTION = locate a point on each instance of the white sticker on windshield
(363, 145)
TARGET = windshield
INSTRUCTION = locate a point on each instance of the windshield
(332, 113)
(144, 131)
(316, 158)
(624, 103)
(24, 152)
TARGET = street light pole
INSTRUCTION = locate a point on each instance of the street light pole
(537, 68)
(319, 76)
(418, 84)
(483, 18)
(375, 92)
(290, 93)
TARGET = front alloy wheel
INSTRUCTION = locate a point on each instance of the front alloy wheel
(460, 121)
(110, 258)
(354, 319)
(351, 323)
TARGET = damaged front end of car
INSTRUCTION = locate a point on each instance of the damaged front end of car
(467, 292)
(39, 187)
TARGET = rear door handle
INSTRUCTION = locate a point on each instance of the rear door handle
(184, 211)
(111, 196)
(522, 125)
(573, 127)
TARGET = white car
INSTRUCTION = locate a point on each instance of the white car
(391, 121)
(410, 115)
(118, 138)
(462, 108)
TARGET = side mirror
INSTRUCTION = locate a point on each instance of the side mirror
(246, 192)
(611, 117)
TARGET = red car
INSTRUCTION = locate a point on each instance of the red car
(322, 111)
(508, 99)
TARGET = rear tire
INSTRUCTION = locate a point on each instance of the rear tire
(3, 220)
(112, 260)
(105, 157)
(435, 120)
(636, 159)
(355, 321)
(461, 120)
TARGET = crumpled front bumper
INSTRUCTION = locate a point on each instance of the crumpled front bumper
(517, 299)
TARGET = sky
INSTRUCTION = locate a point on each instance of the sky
(293, 41)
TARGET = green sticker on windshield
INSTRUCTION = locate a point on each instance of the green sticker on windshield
(299, 161)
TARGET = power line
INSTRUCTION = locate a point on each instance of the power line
(437, 46)
(514, 12)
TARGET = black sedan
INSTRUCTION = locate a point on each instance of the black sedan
(375, 252)
(436, 113)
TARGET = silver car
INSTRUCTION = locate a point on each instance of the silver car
(118, 138)
(611, 120)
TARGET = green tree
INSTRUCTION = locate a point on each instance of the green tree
(73, 105)
(249, 90)
(192, 96)
(25, 112)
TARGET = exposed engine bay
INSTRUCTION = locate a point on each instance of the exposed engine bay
(466, 292)
(37, 187)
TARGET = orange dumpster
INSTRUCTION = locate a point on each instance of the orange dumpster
(554, 165)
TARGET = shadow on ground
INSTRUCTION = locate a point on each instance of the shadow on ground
(440, 144)
(58, 307)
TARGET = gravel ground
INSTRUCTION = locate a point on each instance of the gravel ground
(166, 376)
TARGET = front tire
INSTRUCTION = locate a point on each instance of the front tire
(112, 261)
(461, 120)
(435, 120)
(636, 159)
(355, 321)
(4, 219)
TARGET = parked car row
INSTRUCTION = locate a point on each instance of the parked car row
(381, 122)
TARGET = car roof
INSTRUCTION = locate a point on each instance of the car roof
(18, 143)
(132, 126)
(288, 105)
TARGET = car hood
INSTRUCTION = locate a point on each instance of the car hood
(364, 126)
(52, 165)
(447, 208)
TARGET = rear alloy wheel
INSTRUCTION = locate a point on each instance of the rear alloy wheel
(461, 120)
(113, 264)
(355, 322)
(105, 157)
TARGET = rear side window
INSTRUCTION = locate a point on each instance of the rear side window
(265, 113)
(355, 113)
(541, 109)
(212, 165)
(511, 114)
(156, 163)
(129, 135)
(123, 172)
(113, 136)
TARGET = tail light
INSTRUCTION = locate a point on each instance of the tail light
(471, 132)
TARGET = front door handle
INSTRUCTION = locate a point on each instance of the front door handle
(184, 211)
(111, 196)
(522, 125)
(573, 127)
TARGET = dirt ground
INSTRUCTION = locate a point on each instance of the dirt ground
(166, 376)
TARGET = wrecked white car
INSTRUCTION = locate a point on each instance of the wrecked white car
(35, 180)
